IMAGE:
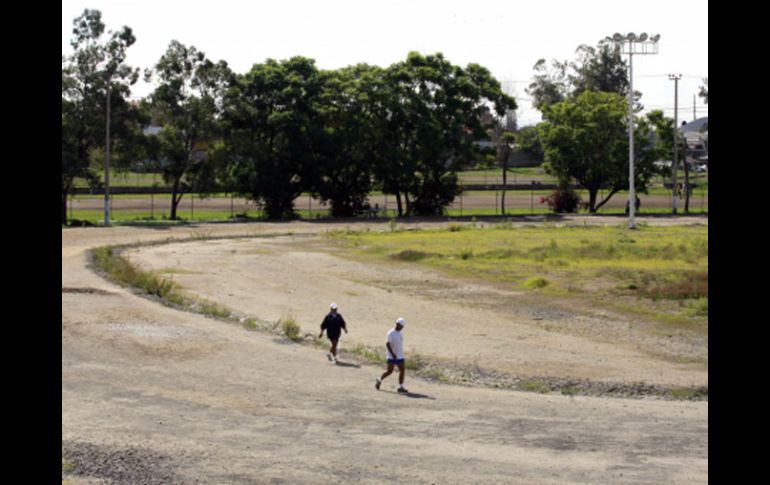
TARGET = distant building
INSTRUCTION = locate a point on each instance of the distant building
(696, 136)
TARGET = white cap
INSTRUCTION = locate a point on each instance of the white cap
(401, 322)
(333, 306)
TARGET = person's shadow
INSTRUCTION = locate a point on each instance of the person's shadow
(347, 364)
(412, 395)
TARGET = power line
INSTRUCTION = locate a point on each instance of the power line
(692, 76)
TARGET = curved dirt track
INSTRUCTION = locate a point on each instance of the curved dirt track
(154, 395)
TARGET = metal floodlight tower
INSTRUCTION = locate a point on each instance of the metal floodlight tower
(631, 44)
(675, 78)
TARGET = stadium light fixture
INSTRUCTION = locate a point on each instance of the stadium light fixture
(631, 44)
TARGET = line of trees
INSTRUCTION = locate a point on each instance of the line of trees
(286, 127)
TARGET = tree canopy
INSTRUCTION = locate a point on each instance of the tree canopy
(98, 60)
(186, 103)
(599, 68)
(441, 110)
(586, 139)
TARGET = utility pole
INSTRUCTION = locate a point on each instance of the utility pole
(107, 157)
(675, 78)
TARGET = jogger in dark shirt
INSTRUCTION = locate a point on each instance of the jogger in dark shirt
(333, 324)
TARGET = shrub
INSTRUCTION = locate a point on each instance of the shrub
(289, 328)
(563, 200)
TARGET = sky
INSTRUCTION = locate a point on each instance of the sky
(505, 36)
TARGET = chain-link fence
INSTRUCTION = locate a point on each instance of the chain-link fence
(157, 206)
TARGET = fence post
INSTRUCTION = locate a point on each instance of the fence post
(532, 198)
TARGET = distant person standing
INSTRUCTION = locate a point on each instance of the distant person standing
(333, 324)
(395, 346)
(637, 204)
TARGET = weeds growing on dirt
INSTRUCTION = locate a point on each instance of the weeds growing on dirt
(123, 271)
(688, 393)
(213, 309)
(533, 385)
(290, 328)
(367, 353)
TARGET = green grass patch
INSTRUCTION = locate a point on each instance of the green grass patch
(534, 385)
(535, 283)
(683, 393)
(649, 264)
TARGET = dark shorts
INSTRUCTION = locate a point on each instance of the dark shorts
(333, 336)
(395, 361)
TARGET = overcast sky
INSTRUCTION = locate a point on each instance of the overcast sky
(505, 36)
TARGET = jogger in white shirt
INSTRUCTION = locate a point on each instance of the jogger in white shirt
(395, 346)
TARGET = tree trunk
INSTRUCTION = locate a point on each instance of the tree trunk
(593, 206)
(505, 182)
(398, 202)
(592, 201)
(174, 199)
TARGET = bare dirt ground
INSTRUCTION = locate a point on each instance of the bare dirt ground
(155, 395)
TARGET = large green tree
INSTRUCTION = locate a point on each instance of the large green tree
(273, 123)
(350, 109)
(438, 111)
(187, 102)
(586, 139)
(98, 61)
